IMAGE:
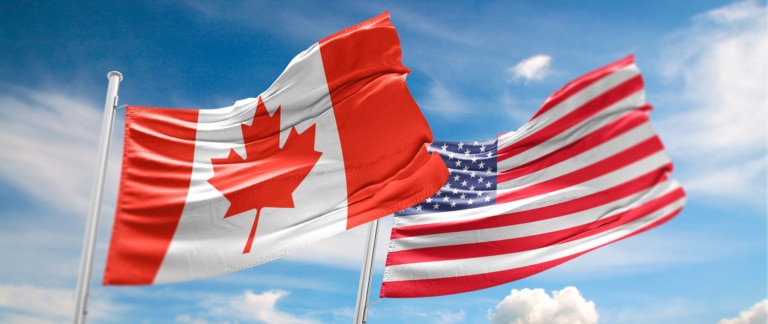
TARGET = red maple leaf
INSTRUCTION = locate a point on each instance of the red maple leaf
(268, 174)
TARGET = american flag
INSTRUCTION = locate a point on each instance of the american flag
(585, 171)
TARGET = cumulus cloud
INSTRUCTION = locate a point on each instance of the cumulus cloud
(758, 314)
(719, 63)
(532, 68)
(533, 306)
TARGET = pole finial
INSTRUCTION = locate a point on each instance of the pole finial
(115, 73)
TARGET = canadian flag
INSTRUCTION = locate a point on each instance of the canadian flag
(336, 141)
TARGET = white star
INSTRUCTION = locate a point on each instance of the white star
(482, 148)
(436, 206)
(488, 184)
(418, 208)
(453, 204)
(445, 198)
(489, 154)
(429, 200)
(480, 179)
(474, 159)
(445, 146)
(447, 186)
(455, 191)
(464, 183)
(472, 188)
(456, 178)
(466, 153)
(481, 165)
(487, 198)
(469, 202)
(490, 170)
(479, 193)
(466, 169)
(472, 174)
(463, 196)
(458, 163)
(450, 156)
(461, 145)
(438, 194)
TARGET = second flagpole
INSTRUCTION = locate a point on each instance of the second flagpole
(92, 225)
(363, 292)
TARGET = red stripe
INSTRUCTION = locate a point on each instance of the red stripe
(573, 118)
(620, 191)
(157, 167)
(582, 82)
(600, 168)
(375, 113)
(460, 284)
(606, 133)
(521, 244)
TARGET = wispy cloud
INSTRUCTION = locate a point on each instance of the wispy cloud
(719, 63)
(441, 316)
(535, 306)
(652, 251)
(533, 68)
(47, 305)
(650, 309)
(346, 249)
(291, 25)
(246, 307)
(49, 143)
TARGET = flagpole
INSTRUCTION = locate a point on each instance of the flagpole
(92, 225)
(363, 292)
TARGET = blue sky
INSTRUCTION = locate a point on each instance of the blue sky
(478, 69)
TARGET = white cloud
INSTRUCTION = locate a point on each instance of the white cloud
(758, 314)
(532, 68)
(441, 99)
(651, 308)
(187, 319)
(346, 249)
(246, 307)
(531, 306)
(48, 305)
(439, 316)
(654, 251)
(450, 317)
(719, 61)
(49, 143)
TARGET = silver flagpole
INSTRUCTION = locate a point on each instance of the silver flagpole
(92, 225)
(361, 308)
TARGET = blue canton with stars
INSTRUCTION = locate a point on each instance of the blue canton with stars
(472, 179)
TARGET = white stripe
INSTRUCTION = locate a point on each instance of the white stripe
(631, 171)
(609, 180)
(566, 106)
(575, 133)
(605, 211)
(587, 158)
(474, 266)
